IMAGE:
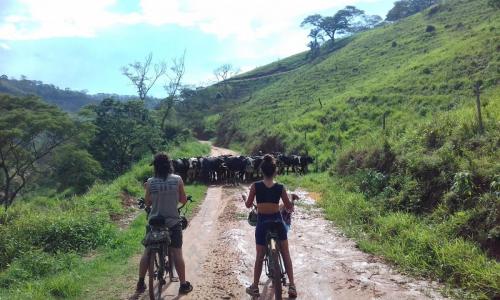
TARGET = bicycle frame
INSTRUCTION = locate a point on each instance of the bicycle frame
(272, 245)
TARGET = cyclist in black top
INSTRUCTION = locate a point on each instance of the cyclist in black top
(268, 194)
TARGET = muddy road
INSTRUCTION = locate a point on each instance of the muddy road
(219, 251)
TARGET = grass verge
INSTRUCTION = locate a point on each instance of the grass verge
(72, 248)
(416, 244)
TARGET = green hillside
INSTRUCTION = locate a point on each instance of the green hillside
(424, 193)
(401, 69)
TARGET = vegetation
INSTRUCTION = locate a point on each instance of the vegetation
(125, 131)
(52, 247)
(406, 8)
(392, 117)
(29, 131)
(66, 99)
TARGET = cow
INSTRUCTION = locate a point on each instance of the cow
(193, 168)
(181, 166)
(304, 162)
(236, 166)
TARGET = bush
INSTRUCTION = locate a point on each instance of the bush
(372, 183)
(430, 28)
(379, 157)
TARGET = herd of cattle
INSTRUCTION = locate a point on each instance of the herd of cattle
(234, 169)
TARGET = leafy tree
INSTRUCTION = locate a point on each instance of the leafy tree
(125, 132)
(494, 3)
(340, 23)
(142, 76)
(315, 43)
(75, 168)
(29, 131)
(405, 8)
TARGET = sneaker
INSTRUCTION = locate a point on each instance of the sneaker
(185, 288)
(292, 292)
(253, 291)
(140, 288)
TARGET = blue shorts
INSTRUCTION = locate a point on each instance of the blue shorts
(267, 222)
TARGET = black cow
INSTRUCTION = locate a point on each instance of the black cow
(236, 166)
(181, 166)
(304, 162)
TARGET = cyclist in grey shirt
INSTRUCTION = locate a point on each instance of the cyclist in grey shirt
(164, 191)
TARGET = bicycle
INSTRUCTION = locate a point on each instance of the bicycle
(273, 261)
(157, 243)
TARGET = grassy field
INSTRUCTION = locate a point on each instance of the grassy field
(66, 248)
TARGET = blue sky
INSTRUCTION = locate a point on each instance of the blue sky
(82, 44)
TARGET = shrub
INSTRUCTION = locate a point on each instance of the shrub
(379, 157)
(430, 28)
(372, 183)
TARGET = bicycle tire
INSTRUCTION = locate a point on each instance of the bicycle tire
(276, 270)
(151, 274)
(161, 271)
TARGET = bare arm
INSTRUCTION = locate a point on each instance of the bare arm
(286, 200)
(251, 197)
(182, 192)
(147, 197)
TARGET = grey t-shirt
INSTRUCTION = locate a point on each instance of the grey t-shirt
(164, 195)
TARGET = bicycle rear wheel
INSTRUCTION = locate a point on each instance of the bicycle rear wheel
(160, 259)
(276, 270)
(151, 274)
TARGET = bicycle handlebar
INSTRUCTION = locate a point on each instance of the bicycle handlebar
(142, 204)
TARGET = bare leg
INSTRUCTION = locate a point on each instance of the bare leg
(285, 252)
(259, 259)
(180, 266)
(143, 266)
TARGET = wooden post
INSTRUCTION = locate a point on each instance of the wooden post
(383, 120)
(477, 92)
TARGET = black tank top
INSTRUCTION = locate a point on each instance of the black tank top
(263, 194)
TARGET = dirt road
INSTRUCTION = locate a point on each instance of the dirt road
(219, 250)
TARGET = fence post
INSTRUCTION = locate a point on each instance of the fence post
(477, 92)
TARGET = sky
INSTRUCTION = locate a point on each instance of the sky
(83, 44)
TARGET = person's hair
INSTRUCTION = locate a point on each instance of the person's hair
(268, 165)
(162, 165)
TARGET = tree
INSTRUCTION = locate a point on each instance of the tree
(366, 22)
(315, 44)
(29, 131)
(172, 87)
(125, 132)
(75, 168)
(340, 23)
(142, 76)
(225, 72)
(406, 8)
(494, 3)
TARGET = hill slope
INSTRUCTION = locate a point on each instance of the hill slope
(425, 192)
(410, 70)
(67, 99)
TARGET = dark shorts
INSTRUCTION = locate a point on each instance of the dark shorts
(175, 235)
(266, 222)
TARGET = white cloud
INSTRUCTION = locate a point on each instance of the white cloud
(242, 20)
(251, 29)
(4, 46)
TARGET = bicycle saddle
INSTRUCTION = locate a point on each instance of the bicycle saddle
(157, 221)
